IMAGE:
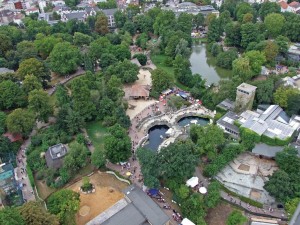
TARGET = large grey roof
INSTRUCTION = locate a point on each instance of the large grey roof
(153, 213)
(266, 150)
(128, 215)
(228, 121)
(109, 12)
(226, 105)
(271, 113)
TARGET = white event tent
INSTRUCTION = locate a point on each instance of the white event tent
(192, 182)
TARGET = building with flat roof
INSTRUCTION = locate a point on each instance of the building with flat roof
(245, 94)
(272, 122)
(136, 208)
(54, 156)
(226, 123)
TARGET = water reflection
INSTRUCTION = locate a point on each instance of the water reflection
(155, 139)
(205, 65)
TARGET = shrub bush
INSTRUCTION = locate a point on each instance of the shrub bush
(30, 176)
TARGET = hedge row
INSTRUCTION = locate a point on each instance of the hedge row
(30, 176)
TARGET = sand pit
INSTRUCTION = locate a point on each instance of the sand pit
(144, 77)
(95, 203)
(244, 167)
(137, 106)
(84, 210)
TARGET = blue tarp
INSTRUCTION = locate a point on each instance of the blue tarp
(153, 191)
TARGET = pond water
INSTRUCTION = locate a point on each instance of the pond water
(154, 137)
(187, 120)
(205, 65)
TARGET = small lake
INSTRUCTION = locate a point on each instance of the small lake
(205, 65)
(154, 137)
(187, 120)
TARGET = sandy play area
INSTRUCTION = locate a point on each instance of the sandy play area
(108, 192)
(136, 106)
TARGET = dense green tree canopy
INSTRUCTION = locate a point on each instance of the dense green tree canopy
(125, 70)
(64, 203)
(39, 102)
(11, 95)
(161, 80)
(117, 144)
(274, 23)
(34, 214)
(20, 121)
(236, 218)
(267, 8)
(64, 58)
(11, 216)
(207, 139)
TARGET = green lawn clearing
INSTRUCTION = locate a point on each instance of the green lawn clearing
(96, 132)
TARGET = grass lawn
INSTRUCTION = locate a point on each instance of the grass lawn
(96, 132)
(159, 60)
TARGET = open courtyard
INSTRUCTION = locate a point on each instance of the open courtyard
(108, 191)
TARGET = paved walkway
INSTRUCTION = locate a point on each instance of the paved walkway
(21, 173)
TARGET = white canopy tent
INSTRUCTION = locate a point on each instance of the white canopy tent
(192, 182)
(203, 190)
(186, 221)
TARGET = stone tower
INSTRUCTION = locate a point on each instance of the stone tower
(245, 94)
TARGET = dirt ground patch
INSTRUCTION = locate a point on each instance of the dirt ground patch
(108, 192)
(244, 167)
(218, 215)
(43, 189)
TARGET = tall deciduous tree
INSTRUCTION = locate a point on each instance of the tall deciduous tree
(81, 98)
(282, 94)
(39, 102)
(31, 83)
(249, 33)
(45, 44)
(76, 157)
(64, 58)
(125, 70)
(256, 60)
(274, 23)
(11, 216)
(34, 67)
(64, 203)
(98, 158)
(242, 69)
(207, 139)
(34, 214)
(117, 144)
(233, 34)
(182, 158)
(101, 25)
(161, 80)
(267, 8)
(20, 121)
(11, 95)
